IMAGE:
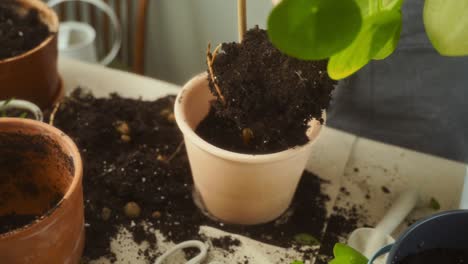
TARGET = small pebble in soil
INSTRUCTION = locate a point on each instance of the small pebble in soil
(122, 127)
(106, 213)
(125, 138)
(171, 118)
(161, 158)
(132, 210)
(156, 214)
(165, 112)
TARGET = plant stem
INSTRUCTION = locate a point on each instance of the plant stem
(54, 112)
(210, 60)
(241, 18)
(374, 5)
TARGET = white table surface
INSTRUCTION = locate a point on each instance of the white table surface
(335, 157)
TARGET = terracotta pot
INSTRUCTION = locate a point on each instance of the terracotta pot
(33, 75)
(48, 163)
(237, 188)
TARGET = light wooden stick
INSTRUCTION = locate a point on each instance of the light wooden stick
(241, 18)
(54, 112)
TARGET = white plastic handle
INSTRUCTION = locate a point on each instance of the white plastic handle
(115, 25)
(187, 244)
(23, 105)
(464, 199)
(401, 207)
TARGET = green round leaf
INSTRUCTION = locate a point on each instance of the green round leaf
(347, 255)
(376, 32)
(390, 46)
(446, 23)
(314, 29)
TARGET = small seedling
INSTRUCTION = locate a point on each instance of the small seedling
(247, 135)
(434, 204)
(306, 240)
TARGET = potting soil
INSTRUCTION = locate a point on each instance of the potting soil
(19, 34)
(133, 153)
(267, 93)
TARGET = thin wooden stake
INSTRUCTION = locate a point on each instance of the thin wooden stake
(241, 18)
(54, 112)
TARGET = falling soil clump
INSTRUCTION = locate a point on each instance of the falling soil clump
(268, 94)
(19, 33)
(117, 172)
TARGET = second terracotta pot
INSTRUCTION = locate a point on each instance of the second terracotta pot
(33, 75)
(40, 175)
(237, 188)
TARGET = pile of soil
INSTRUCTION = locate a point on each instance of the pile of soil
(267, 92)
(19, 34)
(437, 256)
(144, 162)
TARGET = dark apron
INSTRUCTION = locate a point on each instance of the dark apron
(415, 98)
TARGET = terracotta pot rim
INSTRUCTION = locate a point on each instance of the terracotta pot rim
(77, 165)
(53, 25)
(230, 155)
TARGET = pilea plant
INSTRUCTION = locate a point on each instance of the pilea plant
(351, 33)
(347, 255)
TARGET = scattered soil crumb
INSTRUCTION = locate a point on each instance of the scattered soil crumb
(385, 189)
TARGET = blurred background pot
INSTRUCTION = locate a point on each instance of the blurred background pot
(40, 175)
(237, 188)
(33, 75)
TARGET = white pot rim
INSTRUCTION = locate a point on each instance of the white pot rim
(230, 155)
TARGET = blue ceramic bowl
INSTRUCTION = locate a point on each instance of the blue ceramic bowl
(445, 230)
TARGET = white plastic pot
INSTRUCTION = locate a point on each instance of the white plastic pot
(237, 188)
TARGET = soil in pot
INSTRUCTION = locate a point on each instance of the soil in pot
(133, 152)
(29, 187)
(264, 97)
(438, 256)
(19, 33)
